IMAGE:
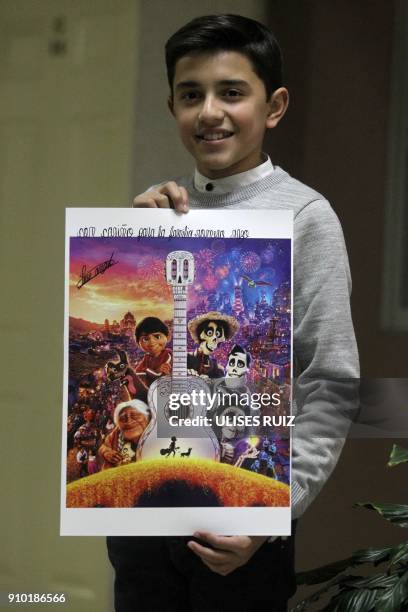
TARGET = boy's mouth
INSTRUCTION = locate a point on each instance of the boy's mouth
(214, 135)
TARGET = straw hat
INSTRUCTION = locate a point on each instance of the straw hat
(232, 325)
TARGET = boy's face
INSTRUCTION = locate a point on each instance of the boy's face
(222, 112)
(153, 344)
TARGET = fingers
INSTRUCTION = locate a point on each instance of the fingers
(178, 196)
(169, 195)
(220, 562)
(228, 543)
(208, 555)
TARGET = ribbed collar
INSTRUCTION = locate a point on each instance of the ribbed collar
(247, 192)
(203, 184)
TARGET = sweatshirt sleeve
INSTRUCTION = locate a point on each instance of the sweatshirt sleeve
(325, 351)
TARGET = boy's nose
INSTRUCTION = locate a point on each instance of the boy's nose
(211, 111)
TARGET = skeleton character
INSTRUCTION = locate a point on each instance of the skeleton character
(234, 383)
(238, 364)
(230, 391)
(209, 331)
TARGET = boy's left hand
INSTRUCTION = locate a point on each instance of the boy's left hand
(227, 552)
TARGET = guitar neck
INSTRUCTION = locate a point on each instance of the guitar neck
(180, 332)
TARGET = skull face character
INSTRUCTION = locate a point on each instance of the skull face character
(238, 362)
(210, 335)
(209, 330)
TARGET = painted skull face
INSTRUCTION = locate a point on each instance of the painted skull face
(210, 337)
(237, 365)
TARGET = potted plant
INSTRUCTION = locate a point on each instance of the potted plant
(384, 591)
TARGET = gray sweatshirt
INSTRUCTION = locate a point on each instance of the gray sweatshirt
(324, 346)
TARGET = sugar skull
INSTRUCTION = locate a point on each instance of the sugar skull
(238, 362)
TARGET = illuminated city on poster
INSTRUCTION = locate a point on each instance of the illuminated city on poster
(177, 372)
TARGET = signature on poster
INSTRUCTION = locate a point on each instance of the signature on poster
(87, 275)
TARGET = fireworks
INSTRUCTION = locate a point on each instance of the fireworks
(151, 268)
(204, 259)
(222, 271)
(210, 282)
(250, 262)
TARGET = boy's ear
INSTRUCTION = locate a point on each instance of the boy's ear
(169, 335)
(278, 104)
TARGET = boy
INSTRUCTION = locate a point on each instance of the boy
(152, 335)
(226, 89)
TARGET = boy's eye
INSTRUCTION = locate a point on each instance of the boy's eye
(232, 93)
(190, 96)
(157, 336)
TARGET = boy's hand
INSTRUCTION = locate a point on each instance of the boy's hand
(169, 195)
(228, 552)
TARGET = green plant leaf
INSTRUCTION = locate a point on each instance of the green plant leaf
(399, 454)
(303, 605)
(395, 513)
(400, 554)
(372, 555)
(323, 573)
(378, 581)
(355, 600)
(392, 599)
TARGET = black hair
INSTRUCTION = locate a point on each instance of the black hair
(214, 33)
(150, 325)
(204, 324)
(238, 349)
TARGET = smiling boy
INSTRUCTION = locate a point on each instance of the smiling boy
(152, 336)
(226, 90)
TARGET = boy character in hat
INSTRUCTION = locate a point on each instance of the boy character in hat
(226, 90)
(152, 336)
(119, 447)
(209, 331)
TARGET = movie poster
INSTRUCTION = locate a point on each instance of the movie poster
(177, 380)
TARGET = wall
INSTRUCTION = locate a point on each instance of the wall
(338, 61)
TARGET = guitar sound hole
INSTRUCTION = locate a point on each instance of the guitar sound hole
(183, 412)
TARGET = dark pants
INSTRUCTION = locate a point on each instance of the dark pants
(157, 573)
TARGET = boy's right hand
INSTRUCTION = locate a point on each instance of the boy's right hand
(169, 195)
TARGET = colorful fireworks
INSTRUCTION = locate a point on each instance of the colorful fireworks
(222, 271)
(151, 268)
(250, 261)
(204, 259)
(210, 282)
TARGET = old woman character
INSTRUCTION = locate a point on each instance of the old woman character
(119, 447)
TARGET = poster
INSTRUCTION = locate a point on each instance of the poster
(177, 372)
